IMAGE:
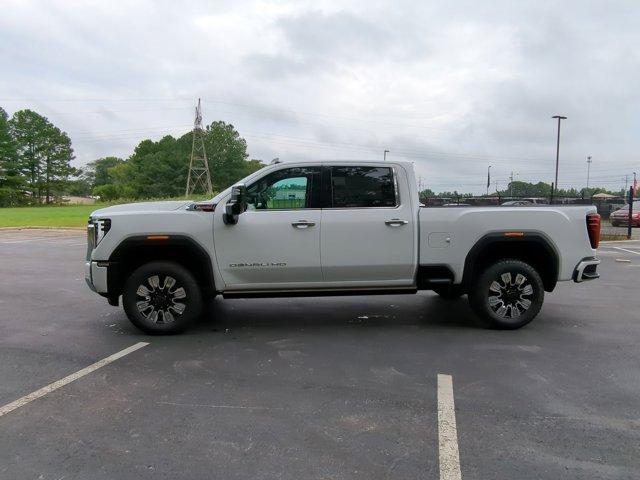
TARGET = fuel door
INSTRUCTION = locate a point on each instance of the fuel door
(439, 239)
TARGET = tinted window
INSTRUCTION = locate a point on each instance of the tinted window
(285, 189)
(358, 187)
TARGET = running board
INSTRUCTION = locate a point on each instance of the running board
(319, 293)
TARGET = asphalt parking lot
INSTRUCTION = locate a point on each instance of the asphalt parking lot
(321, 388)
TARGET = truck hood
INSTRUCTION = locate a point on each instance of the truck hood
(165, 206)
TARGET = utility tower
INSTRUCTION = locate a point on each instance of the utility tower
(199, 178)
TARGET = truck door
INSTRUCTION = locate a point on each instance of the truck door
(368, 227)
(276, 242)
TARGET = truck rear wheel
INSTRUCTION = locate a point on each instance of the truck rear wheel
(162, 298)
(507, 295)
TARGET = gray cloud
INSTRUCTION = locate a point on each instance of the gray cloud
(452, 86)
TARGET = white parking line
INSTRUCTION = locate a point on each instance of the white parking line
(447, 431)
(625, 250)
(10, 407)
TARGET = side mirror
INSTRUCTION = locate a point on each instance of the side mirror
(236, 205)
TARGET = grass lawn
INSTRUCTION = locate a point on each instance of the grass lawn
(53, 216)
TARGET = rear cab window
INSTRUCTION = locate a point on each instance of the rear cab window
(362, 187)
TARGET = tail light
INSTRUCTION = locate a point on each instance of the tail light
(593, 228)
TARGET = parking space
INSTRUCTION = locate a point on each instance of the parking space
(323, 388)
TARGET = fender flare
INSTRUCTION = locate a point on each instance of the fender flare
(198, 256)
(497, 238)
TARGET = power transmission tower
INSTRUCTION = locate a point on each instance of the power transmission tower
(199, 176)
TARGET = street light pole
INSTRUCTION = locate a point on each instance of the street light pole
(588, 171)
(559, 117)
(385, 155)
(488, 178)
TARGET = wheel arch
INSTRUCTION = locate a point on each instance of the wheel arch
(136, 251)
(533, 248)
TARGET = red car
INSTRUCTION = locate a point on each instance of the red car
(620, 218)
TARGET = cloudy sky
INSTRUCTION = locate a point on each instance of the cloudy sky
(453, 86)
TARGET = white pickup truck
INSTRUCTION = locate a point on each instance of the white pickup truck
(332, 228)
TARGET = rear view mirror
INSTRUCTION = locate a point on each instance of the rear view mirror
(236, 205)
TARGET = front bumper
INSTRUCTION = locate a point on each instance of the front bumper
(96, 276)
(587, 269)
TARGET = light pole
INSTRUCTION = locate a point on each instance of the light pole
(385, 155)
(488, 178)
(588, 171)
(560, 118)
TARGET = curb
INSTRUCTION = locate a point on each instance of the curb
(71, 229)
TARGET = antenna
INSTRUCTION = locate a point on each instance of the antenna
(199, 176)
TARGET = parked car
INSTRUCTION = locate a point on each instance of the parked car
(620, 218)
(516, 203)
(357, 230)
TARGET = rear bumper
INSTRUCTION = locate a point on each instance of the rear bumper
(587, 269)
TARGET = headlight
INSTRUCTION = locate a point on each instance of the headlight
(98, 228)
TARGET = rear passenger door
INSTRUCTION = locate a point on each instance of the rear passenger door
(368, 228)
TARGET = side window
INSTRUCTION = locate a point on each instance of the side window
(362, 187)
(289, 188)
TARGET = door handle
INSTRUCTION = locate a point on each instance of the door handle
(303, 224)
(395, 222)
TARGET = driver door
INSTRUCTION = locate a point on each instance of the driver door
(276, 242)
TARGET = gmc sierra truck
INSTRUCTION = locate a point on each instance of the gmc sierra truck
(333, 228)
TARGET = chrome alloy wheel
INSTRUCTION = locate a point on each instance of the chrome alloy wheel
(509, 298)
(157, 303)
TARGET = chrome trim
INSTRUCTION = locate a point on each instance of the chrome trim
(303, 224)
(396, 222)
(578, 274)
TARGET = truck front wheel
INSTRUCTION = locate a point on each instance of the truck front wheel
(162, 298)
(507, 294)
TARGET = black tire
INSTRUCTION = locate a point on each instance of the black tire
(449, 292)
(507, 295)
(172, 296)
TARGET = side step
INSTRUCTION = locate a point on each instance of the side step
(319, 293)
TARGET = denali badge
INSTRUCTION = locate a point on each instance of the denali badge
(258, 264)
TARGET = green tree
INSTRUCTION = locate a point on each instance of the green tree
(159, 169)
(96, 173)
(44, 154)
(227, 155)
(11, 184)
(156, 169)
